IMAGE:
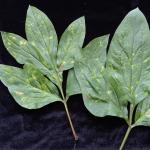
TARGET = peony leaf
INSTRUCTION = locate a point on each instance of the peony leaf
(40, 82)
(129, 56)
(70, 44)
(129, 52)
(24, 53)
(95, 49)
(73, 86)
(41, 34)
(99, 96)
(29, 89)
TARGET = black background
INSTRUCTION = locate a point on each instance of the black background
(48, 128)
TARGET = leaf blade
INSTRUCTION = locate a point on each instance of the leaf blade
(70, 44)
(73, 86)
(26, 94)
(25, 53)
(41, 33)
(98, 97)
(96, 48)
(128, 50)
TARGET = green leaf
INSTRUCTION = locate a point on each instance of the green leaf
(42, 35)
(39, 80)
(70, 44)
(73, 86)
(100, 98)
(95, 49)
(27, 89)
(100, 87)
(129, 56)
(142, 115)
(129, 53)
(24, 53)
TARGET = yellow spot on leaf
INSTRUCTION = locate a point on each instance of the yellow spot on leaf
(23, 42)
(9, 43)
(19, 93)
(34, 77)
(102, 69)
(108, 92)
(50, 37)
(147, 115)
(96, 101)
(33, 43)
(146, 60)
(63, 62)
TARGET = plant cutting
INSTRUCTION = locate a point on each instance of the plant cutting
(118, 84)
(39, 82)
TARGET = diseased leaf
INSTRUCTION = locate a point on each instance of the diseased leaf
(143, 109)
(95, 49)
(40, 81)
(20, 49)
(73, 86)
(129, 53)
(24, 53)
(142, 116)
(100, 98)
(41, 34)
(100, 87)
(117, 84)
(70, 44)
(122, 86)
(41, 47)
(27, 91)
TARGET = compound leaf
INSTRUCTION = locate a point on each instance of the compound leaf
(40, 81)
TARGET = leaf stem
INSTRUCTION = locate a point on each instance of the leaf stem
(62, 94)
(70, 122)
(68, 115)
(125, 138)
(131, 110)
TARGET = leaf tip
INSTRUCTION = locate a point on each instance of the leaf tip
(136, 11)
(31, 8)
(137, 8)
(82, 18)
(2, 33)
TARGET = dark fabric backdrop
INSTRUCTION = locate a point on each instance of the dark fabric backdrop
(48, 128)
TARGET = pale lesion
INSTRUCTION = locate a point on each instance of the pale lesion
(19, 93)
